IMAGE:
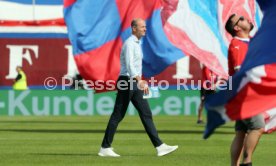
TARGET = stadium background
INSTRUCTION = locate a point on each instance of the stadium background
(43, 49)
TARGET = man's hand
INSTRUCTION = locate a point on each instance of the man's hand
(142, 84)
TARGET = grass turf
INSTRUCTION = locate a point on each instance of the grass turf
(76, 141)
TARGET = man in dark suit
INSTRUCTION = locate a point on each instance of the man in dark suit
(131, 87)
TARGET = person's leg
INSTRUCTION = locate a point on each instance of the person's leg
(119, 111)
(145, 114)
(256, 126)
(237, 147)
(200, 107)
(250, 144)
(237, 143)
(146, 117)
(199, 115)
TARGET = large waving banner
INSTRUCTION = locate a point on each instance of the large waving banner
(33, 37)
(175, 28)
(97, 30)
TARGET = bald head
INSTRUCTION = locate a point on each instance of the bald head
(134, 22)
(138, 27)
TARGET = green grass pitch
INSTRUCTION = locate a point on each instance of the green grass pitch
(76, 140)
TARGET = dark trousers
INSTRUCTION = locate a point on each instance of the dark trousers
(123, 98)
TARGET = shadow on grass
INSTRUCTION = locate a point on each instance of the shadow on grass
(222, 127)
(102, 131)
(63, 154)
(83, 155)
(52, 122)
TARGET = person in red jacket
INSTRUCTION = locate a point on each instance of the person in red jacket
(248, 131)
(239, 45)
(208, 85)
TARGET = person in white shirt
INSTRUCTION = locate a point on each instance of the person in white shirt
(131, 87)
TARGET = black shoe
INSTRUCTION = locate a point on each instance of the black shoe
(200, 122)
(247, 164)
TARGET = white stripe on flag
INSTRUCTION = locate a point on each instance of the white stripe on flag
(198, 31)
(271, 123)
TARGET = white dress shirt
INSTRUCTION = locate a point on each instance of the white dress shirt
(131, 57)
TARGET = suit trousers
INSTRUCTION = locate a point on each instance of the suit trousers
(130, 92)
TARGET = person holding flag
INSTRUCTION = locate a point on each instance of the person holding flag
(254, 85)
(248, 131)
